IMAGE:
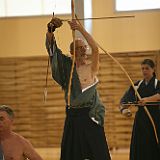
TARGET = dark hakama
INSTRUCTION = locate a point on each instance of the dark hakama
(143, 142)
(83, 138)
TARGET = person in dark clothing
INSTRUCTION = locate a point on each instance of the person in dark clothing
(143, 142)
(83, 137)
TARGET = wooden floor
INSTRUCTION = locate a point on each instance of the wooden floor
(53, 154)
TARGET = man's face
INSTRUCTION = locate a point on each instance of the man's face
(147, 71)
(80, 48)
(5, 121)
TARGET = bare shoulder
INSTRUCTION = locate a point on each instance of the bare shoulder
(23, 141)
(18, 137)
(27, 148)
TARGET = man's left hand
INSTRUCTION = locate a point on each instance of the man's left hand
(74, 25)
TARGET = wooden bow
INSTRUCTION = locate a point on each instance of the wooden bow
(73, 60)
(136, 92)
(131, 81)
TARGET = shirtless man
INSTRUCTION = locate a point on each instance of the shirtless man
(13, 146)
(83, 137)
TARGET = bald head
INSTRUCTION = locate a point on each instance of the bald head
(80, 46)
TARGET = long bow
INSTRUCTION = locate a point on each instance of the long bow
(73, 60)
(136, 92)
(132, 83)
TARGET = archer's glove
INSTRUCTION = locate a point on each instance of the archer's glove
(53, 24)
(125, 111)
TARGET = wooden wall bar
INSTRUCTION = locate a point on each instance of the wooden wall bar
(22, 82)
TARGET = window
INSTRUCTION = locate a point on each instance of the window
(10, 8)
(132, 5)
